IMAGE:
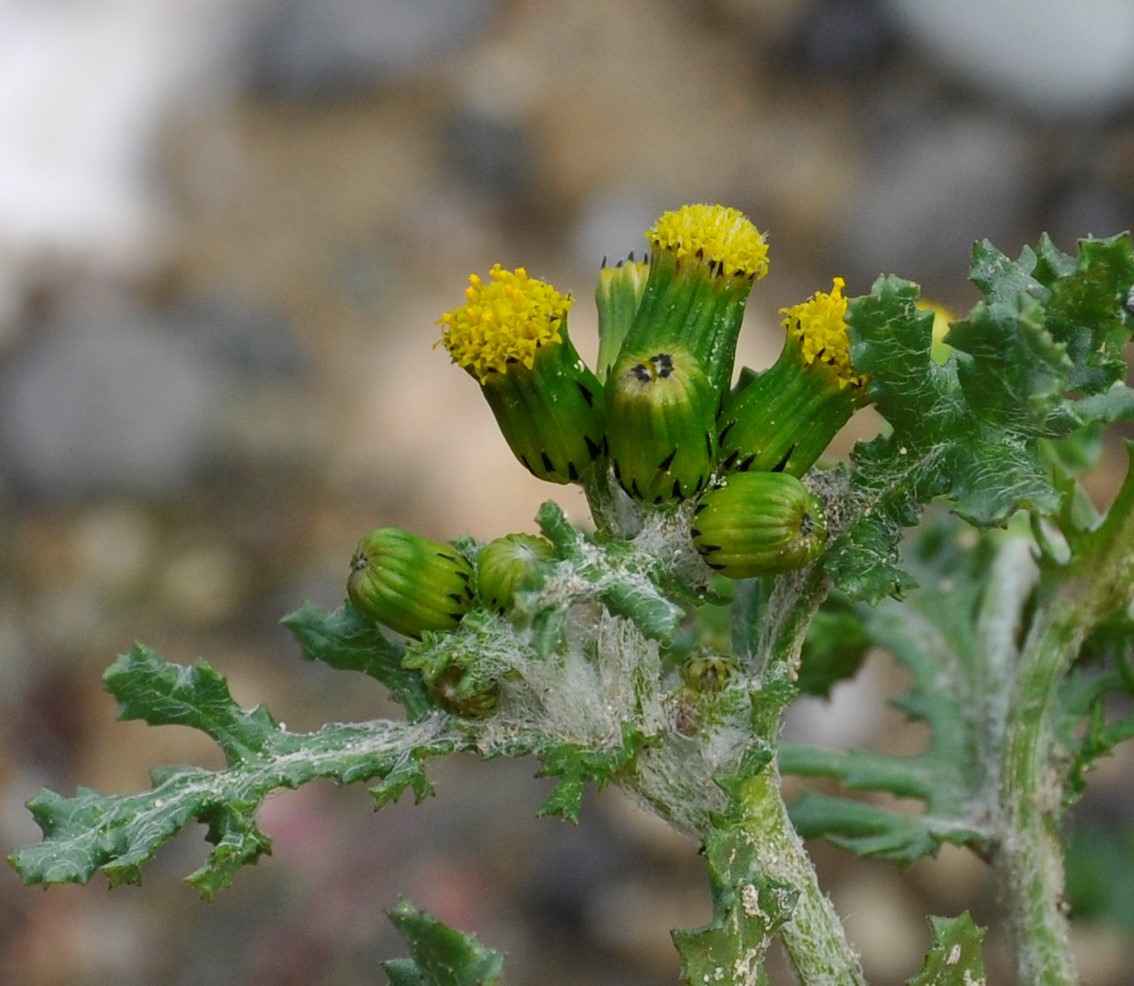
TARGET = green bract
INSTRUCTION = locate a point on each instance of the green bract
(409, 583)
(759, 523)
(617, 297)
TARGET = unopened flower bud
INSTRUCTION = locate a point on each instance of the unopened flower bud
(708, 672)
(617, 297)
(458, 690)
(509, 564)
(759, 523)
(409, 583)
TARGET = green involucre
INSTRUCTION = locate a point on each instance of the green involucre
(785, 418)
(661, 432)
(617, 297)
(552, 414)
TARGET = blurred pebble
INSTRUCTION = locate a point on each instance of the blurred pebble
(1088, 209)
(205, 583)
(243, 339)
(308, 51)
(88, 89)
(634, 916)
(108, 403)
(933, 191)
(490, 155)
(856, 712)
(884, 921)
(1102, 952)
(1070, 59)
(567, 876)
(842, 39)
(113, 545)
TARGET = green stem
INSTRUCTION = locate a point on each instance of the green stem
(813, 937)
(1029, 858)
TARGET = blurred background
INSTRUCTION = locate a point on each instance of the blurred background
(227, 230)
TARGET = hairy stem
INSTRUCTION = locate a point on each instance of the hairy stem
(1029, 858)
(813, 937)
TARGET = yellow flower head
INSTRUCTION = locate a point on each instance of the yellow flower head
(722, 238)
(819, 326)
(503, 322)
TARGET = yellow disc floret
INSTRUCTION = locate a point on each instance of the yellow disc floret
(504, 321)
(720, 237)
(819, 326)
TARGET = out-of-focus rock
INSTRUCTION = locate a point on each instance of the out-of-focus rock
(932, 192)
(87, 89)
(311, 51)
(1055, 59)
(108, 403)
(611, 223)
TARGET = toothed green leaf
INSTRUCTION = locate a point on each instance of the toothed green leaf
(348, 641)
(933, 633)
(116, 834)
(1025, 366)
(575, 765)
(955, 957)
(442, 956)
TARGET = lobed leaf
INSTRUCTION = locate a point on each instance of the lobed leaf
(348, 641)
(1039, 358)
(116, 834)
(574, 765)
(934, 634)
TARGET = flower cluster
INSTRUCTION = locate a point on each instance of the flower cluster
(660, 420)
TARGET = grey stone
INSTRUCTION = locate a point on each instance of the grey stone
(318, 50)
(108, 403)
(1055, 59)
(611, 223)
(931, 193)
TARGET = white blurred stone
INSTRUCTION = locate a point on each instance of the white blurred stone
(1052, 58)
(86, 89)
(934, 190)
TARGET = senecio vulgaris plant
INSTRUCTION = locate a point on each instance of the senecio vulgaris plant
(726, 574)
